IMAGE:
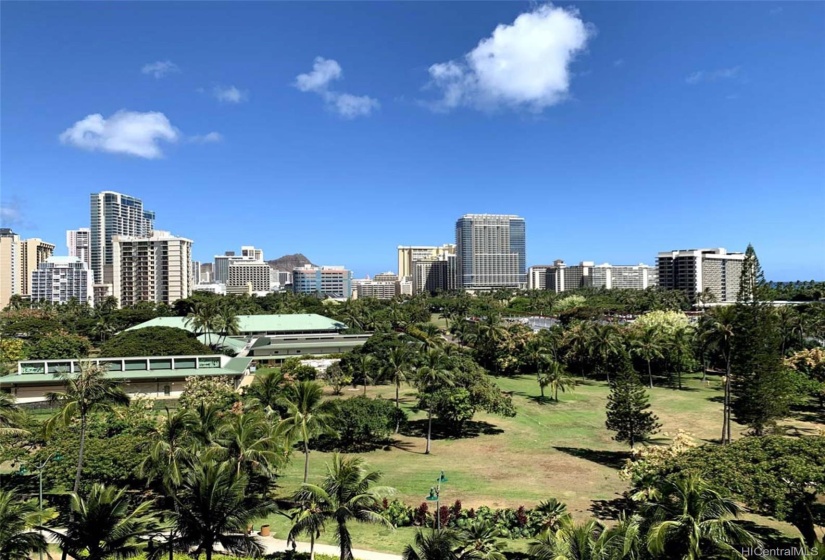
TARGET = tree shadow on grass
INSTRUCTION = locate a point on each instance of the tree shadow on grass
(610, 509)
(718, 399)
(407, 446)
(471, 429)
(612, 459)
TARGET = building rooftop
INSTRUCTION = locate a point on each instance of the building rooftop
(248, 324)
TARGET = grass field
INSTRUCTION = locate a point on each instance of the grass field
(547, 450)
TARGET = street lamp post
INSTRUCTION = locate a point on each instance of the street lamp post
(40, 466)
(435, 496)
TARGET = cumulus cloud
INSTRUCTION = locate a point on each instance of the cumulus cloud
(209, 138)
(160, 68)
(229, 94)
(125, 132)
(11, 215)
(523, 64)
(712, 75)
(324, 72)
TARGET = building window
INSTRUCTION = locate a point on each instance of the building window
(167, 390)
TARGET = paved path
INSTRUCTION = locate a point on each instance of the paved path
(279, 545)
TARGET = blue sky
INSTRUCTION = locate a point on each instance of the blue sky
(616, 129)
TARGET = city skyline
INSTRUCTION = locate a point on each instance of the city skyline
(633, 138)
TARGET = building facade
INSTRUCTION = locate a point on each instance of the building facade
(695, 271)
(537, 276)
(250, 277)
(112, 214)
(560, 277)
(491, 251)
(156, 268)
(61, 279)
(409, 254)
(78, 241)
(331, 281)
(220, 268)
(430, 276)
(32, 253)
(378, 289)
(11, 281)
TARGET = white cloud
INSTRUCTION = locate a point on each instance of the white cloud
(713, 75)
(160, 68)
(209, 138)
(618, 62)
(125, 132)
(325, 71)
(229, 94)
(10, 214)
(524, 64)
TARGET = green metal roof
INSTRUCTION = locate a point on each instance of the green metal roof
(235, 366)
(235, 344)
(295, 322)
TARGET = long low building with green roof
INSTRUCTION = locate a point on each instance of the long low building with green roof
(157, 377)
(273, 338)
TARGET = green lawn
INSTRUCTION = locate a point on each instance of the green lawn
(548, 450)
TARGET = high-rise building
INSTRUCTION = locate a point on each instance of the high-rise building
(32, 253)
(220, 270)
(537, 276)
(11, 281)
(251, 252)
(156, 268)
(79, 242)
(560, 277)
(205, 274)
(196, 272)
(250, 277)
(61, 279)
(113, 214)
(378, 289)
(409, 254)
(430, 276)
(491, 251)
(695, 271)
(331, 281)
(386, 277)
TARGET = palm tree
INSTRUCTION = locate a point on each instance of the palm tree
(268, 389)
(396, 368)
(12, 418)
(536, 356)
(556, 378)
(248, 441)
(308, 416)
(226, 322)
(212, 507)
(604, 344)
(719, 333)
(690, 520)
(587, 541)
(679, 347)
(480, 541)
(364, 364)
(347, 494)
(307, 519)
(86, 392)
(203, 319)
(647, 345)
(17, 519)
(208, 420)
(104, 525)
(434, 373)
(432, 544)
(553, 513)
(624, 540)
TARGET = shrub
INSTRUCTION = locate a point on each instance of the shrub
(208, 390)
(362, 423)
(398, 513)
(337, 378)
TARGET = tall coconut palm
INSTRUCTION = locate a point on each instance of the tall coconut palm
(364, 364)
(556, 379)
(307, 519)
(719, 332)
(105, 525)
(434, 374)
(587, 541)
(432, 544)
(308, 416)
(538, 358)
(348, 494)
(17, 519)
(12, 418)
(86, 392)
(213, 508)
(396, 369)
(248, 441)
(647, 345)
(268, 389)
(203, 319)
(689, 519)
(604, 345)
(226, 322)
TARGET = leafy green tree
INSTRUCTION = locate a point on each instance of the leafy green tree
(59, 345)
(268, 389)
(688, 519)
(627, 409)
(85, 392)
(105, 525)
(453, 406)
(154, 341)
(307, 416)
(218, 391)
(347, 494)
(362, 423)
(11, 350)
(432, 544)
(12, 418)
(18, 518)
(213, 507)
(762, 389)
(337, 378)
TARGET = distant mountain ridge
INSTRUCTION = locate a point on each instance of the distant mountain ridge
(288, 262)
